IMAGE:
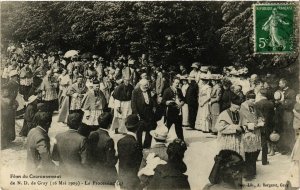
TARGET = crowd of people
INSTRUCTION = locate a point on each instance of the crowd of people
(93, 96)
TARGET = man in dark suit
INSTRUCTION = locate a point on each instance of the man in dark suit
(101, 152)
(173, 99)
(142, 104)
(287, 139)
(266, 107)
(70, 148)
(38, 145)
(191, 99)
(130, 155)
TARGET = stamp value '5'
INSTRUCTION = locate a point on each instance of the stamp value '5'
(274, 28)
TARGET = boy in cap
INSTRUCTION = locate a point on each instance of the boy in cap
(130, 155)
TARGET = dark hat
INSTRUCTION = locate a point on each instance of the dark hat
(226, 159)
(250, 94)
(96, 82)
(236, 100)
(132, 121)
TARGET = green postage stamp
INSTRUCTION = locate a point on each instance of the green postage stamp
(274, 28)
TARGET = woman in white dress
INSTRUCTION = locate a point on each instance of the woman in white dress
(203, 121)
(185, 110)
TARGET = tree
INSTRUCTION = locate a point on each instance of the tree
(237, 37)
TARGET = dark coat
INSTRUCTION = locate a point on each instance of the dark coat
(169, 177)
(266, 107)
(130, 156)
(278, 117)
(226, 99)
(71, 152)
(101, 156)
(139, 106)
(123, 92)
(191, 96)
(289, 99)
(13, 89)
(29, 122)
(8, 112)
(38, 151)
(170, 95)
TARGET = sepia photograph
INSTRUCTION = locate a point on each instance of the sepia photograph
(142, 95)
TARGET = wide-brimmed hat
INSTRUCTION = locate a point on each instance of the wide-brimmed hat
(191, 77)
(204, 69)
(132, 121)
(13, 73)
(160, 133)
(216, 77)
(206, 77)
(95, 56)
(195, 65)
(131, 62)
(184, 77)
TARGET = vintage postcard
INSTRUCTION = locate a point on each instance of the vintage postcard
(200, 95)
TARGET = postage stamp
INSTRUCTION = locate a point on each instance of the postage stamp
(274, 28)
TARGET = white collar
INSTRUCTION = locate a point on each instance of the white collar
(104, 129)
(73, 130)
(42, 128)
(132, 134)
(158, 143)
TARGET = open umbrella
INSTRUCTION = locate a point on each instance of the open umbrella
(71, 53)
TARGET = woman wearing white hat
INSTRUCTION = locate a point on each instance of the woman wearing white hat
(203, 121)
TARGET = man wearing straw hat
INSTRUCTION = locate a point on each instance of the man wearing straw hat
(30, 112)
(158, 149)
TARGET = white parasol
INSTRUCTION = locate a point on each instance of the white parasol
(71, 53)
